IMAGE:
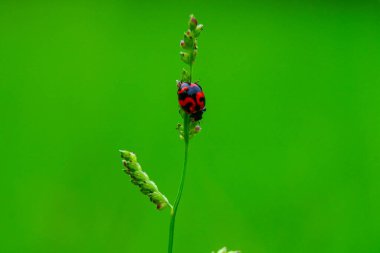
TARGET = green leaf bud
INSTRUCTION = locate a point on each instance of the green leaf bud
(156, 197)
(185, 57)
(188, 39)
(186, 46)
(149, 187)
(129, 156)
(198, 30)
(162, 205)
(140, 176)
(133, 166)
(160, 200)
(193, 22)
(125, 163)
(183, 44)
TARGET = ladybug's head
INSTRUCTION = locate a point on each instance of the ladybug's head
(182, 85)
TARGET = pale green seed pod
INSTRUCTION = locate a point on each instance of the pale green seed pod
(160, 200)
(185, 45)
(188, 38)
(198, 30)
(140, 176)
(128, 156)
(141, 179)
(132, 166)
(149, 187)
(126, 170)
(185, 57)
(193, 22)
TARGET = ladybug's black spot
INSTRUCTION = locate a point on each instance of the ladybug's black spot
(189, 106)
(197, 116)
(182, 96)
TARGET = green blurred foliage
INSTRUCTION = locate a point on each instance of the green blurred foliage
(288, 158)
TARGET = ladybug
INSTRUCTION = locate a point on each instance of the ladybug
(191, 99)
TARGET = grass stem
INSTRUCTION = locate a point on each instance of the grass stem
(186, 122)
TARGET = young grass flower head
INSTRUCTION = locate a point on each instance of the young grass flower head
(191, 97)
(141, 179)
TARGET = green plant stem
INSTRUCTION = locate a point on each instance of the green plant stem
(186, 134)
(191, 72)
(186, 122)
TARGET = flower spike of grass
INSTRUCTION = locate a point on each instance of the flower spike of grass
(141, 179)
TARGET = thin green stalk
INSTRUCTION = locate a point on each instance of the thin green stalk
(191, 70)
(186, 133)
(186, 122)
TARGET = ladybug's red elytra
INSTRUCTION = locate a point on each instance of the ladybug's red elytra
(191, 99)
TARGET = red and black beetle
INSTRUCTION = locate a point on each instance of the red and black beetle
(191, 99)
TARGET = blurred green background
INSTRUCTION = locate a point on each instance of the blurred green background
(288, 159)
